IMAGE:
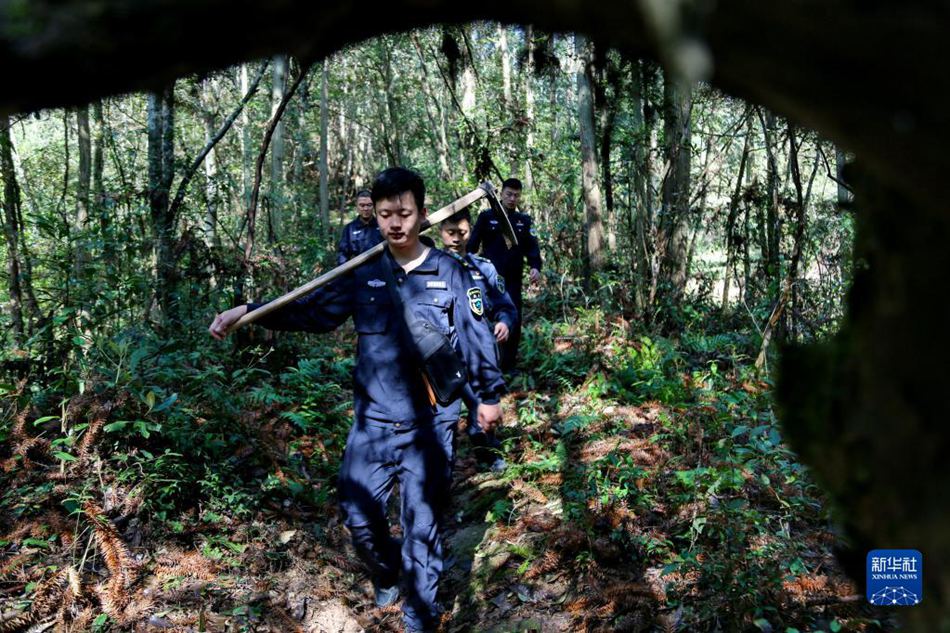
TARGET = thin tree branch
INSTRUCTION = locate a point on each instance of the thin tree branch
(259, 167)
(195, 164)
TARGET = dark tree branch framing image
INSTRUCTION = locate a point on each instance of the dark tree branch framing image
(726, 335)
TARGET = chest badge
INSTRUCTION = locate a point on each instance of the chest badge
(475, 301)
(436, 284)
(375, 283)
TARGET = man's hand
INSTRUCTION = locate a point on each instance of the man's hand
(489, 416)
(501, 332)
(222, 323)
(535, 275)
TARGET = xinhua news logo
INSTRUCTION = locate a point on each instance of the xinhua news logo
(895, 577)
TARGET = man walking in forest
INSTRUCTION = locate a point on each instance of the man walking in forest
(362, 233)
(399, 435)
(488, 236)
(500, 310)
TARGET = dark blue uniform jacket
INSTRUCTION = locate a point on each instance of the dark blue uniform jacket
(498, 305)
(488, 236)
(387, 384)
(357, 237)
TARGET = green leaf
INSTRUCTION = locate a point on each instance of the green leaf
(167, 403)
(44, 419)
(115, 426)
(66, 457)
(150, 399)
(835, 626)
(35, 542)
(739, 430)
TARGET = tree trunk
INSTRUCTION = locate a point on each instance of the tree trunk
(245, 142)
(435, 113)
(772, 235)
(324, 134)
(275, 201)
(529, 110)
(791, 275)
(844, 195)
(640, 205)
(589, 169)
(98, 190)
(209, 227)
(84, 140)
(505, 64)
(161, 136)
(81, 255)
(674, 214)
(11, 229)
(608, 116)
(731, 221)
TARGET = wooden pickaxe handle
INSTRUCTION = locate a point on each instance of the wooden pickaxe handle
(435, 218)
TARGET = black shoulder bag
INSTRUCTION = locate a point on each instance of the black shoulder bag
(442, 370)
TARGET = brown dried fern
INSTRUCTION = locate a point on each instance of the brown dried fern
(90, 437)
(46, 597)
(114, 594)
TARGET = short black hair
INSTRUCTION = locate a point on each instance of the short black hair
(458, 216)
(364, 193)
(512, 183)
(395, 181)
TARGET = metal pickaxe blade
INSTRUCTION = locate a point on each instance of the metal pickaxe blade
(507, 231)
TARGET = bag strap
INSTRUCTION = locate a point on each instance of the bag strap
(407, 317)
(396, 296)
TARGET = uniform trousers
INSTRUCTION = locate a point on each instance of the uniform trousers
(418, 455)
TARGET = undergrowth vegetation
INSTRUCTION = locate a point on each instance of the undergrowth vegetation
(648, 487)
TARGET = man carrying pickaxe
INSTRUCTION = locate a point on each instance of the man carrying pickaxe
(400, 433)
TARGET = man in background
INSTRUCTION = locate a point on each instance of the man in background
(488, 236)
(362, 233)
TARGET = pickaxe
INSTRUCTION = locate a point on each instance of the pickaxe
(484, 190)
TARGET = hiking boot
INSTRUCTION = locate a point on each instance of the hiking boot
(385, 596)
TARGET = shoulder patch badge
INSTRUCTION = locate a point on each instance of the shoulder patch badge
(475, 301)
(533, 231)
(375, 283)
(500, 284)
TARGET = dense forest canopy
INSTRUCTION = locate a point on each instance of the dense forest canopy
(686, 234)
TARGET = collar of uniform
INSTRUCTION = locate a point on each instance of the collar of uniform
(465, 260)
(429, 266)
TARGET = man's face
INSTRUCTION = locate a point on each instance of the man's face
(510, 197)
(364, 206)
(400, 220)
(455, 235)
